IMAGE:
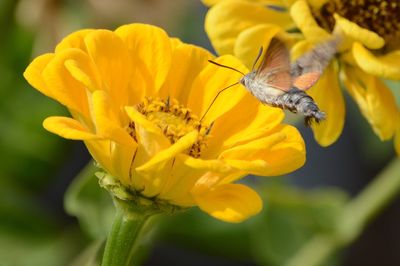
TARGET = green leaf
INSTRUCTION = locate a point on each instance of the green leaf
(290, 218)
(91, 204)
(197, 231)
(26, 250)
(91, 255)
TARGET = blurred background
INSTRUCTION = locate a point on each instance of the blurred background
(38, 226)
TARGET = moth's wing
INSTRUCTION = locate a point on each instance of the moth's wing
(309, 67)
(275, 68)
(307, 80)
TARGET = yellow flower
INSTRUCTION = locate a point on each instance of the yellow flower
(137, 99)
(369, 51)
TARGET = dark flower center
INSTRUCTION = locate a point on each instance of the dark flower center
(381, 17)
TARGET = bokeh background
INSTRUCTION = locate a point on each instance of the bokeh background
(38, 226)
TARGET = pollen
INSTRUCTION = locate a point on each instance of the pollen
(175, 121)
(381, 17)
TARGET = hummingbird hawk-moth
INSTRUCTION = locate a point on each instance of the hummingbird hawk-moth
(279, 83)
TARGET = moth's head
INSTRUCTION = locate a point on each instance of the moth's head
(247, 79)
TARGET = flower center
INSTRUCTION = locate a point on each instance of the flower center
(175, 121)
(381, 17)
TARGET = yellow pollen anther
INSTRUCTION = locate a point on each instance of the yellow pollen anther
(174, 120)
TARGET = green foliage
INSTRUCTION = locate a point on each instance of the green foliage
(291, 217)
(91, 204)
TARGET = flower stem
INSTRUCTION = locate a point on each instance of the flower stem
(353, 219)
(122, 238)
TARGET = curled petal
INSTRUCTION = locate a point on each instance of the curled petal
(68, 128)
(375, 101)
(282, 150)
(208, 165)
(302, 16)
(386, 66)
(226, 20)
(181, 145)
(230, 202)
(64, 87)
(111, 57)
(33, 73)
(83, 70)
(350, 29)
(74, 40)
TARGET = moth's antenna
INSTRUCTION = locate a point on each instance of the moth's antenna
(258, 57)
(215, 63)
(208, 109)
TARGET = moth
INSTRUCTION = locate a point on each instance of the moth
(278, 82)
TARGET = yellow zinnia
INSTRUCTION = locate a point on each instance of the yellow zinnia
(137, 99)
(369, 50)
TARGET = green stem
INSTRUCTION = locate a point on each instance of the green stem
(122, 238)
(353, 219)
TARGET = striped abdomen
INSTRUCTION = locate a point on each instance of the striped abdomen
(297, 101)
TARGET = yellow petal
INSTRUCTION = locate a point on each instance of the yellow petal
(122, 157)
(375, 101)
(254, 166)
(84, 71)
(329, 98)
(386, 66)
(107, 124)
(302, 16)
(68, 128)
(33, 73)
(247, 126)
(74, 40)
(350, 29)
(100, 151)
(179, 183)
(282, 150)
(232, 203)
(226, 20)
(248, 150)
(208, 165)
(111, 57)
(210, 82)
(156, 171)
(181, 145)
(248, 42)
(151, 142)
(150, 51)
(187, 62)
(64, 87)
